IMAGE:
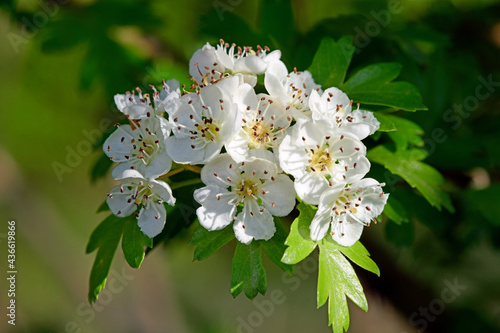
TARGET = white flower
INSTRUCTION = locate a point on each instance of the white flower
(292, 89)
(137, 106)
(136, 191)
(335, 108)
(254, 185)
(318, 158)
(201, 125)
(246, 60)
(264, 121)
(140, 146)
(204, 66)
(208, 65)
(347, 209)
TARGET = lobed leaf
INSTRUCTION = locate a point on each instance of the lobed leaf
(208, 242)
(247, 272)
(331, 61)
(419, 175)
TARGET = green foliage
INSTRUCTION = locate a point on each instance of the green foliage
(299, 242)
(104, 239)
(372, 85)
(407, 134)
(247, 272)
(386, 123)
(275, 247)
(333, 264)
(330, 63)
(395, 211)
(134, 243)
(208, 242)
(336, 277)
(419, 175)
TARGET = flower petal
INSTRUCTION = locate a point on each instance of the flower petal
(281, 192)
(118, 201)
(253, 224)
(346, 233)
(152, 219)
(215, 213)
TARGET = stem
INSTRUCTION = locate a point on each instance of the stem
(185, 183)
(182, 168)
(192, 168)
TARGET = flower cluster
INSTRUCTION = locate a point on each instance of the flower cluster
(259, 151)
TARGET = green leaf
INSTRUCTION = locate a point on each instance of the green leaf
(247, 272)
(330, 63)
(105, 238)
(101, 167)
(336, 280)
(208, 242)
(103, 207)
(408, 133)
(275, 247)
(386, 123)
(358, 254)
(395, 211)
(300, 244)
(419, 175)
(372, 85)
(134, 242)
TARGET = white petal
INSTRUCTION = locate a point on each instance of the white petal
(346, 234)
(230, 84)
(259, 169)
(204, 57)
(275, 88)
(118, 144)
(214, 214)
(118, 201)
(160, 165)
(179, 149)
(292, 159)
(273, 57)
(250, 64)
(152, 219)
(320, 223)
(281, 192)
(245, 96)
(259, 226)
(364, 124)
(218, 170)
(163, 190)
(277, 68)
(121, 170)
(310, 186)
(249, 79)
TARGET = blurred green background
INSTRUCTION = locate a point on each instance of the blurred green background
(61, 62)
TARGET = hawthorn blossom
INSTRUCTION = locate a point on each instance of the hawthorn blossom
(209, 64)
(334, 107)
(292, 89)
(149, 195)
(319, 158)
(346, 209)
(254, 186)
(263, 124)
(202, 123)
(140, 146)
(136, 106)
